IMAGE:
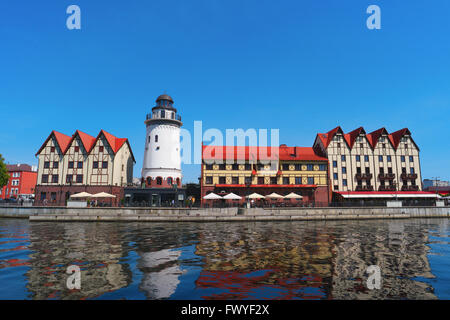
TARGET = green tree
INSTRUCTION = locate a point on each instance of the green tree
(4, 176)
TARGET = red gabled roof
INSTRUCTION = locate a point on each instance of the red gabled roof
(354, 134)
(375, 135)
(61, 139)
(259, 153)
(326, 138)
(87, 140)
(115, 143)
(397, 135)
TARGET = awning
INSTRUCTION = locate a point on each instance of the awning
(388, 195)
(212, 196)
(232, 196)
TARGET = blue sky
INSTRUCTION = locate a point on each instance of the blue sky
(300, 66)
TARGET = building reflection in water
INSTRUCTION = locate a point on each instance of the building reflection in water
(55, 246)
(259, 260)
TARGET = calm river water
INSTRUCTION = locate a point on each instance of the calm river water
(254, 260)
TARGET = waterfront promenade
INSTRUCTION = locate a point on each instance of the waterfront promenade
(219, 214)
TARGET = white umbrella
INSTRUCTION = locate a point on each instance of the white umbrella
(212, 196)
(81, 195)
(255, 196)
(274, 196)
(232, 196)
(103, 195)
(293, 195)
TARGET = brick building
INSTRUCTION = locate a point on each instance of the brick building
(72, 164)
(264, 170)
(22, 182)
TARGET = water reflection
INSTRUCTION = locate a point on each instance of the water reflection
(261, 260)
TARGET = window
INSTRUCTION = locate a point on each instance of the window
(413, 182)
(367, 170)
(235, 166)
(248, 180)
(406, 146)
(95, 165)
(412, 170)
(222, 180)
(104, 164)
(381, 170)
(334, 164)
(55, 164)
(358, 169)
(402, 158)
(273, 180)
(390, 170)
(69, 178)
(52, 149)
(336, 187)
(156, 138)
(53, 196)
(309, 167)
(208, 167)
(79, 178)
(411, 159)
(235, 180)
(344, 170)
(80, 165)
(77, 149)
(335, 176)
(70, 164)
(222, 166)
(46, 164)
(45, 178)
(298, 180)
(310, 180)
(158, 180)
(343, 158)
(298, 167)
(361, 145)
(380, 158)
(344, 182)
(100, 149)
(169, 181)
(260, 180)
(209, 180)
(403, 170)
(338, 145)
(389, 158)
(178, 181)
(55, 178)
(366, 158)
(285, 180)
(43, 196)
(248, 166)
(322, 167)
(358, 158)
(285, 166)
(384, 145)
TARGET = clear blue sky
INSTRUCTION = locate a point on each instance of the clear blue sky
(300, 66)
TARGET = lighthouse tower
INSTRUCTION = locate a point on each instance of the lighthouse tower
(162, 161)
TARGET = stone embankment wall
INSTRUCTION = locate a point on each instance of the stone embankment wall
(218, 214)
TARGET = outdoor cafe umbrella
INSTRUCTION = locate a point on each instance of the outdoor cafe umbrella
(81, 195)
(232, 196)
(293, 195)
(255, 196)
(212, 196)
(103, 195)
(274, 196)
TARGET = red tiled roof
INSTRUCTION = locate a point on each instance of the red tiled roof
(372, 137)
(18, 167)
(260, 153)
(87, 140)
(383, 192)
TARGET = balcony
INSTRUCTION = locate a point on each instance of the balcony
(386, 188)
(176, 118)
(386, 176)
(363, 176)
(409, 176)
(364, 188)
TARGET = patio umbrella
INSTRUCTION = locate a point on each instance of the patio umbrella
(293, 195)
(81, 195)
(274, 196)
(232, 196)
(103, 195)
(212, 196)
(255, 196)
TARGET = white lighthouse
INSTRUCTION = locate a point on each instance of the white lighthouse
(162, 161)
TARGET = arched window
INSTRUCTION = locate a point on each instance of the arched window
(156, 138)
(159, 181)
(169, 181)
(149, 181)
(178, 181)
